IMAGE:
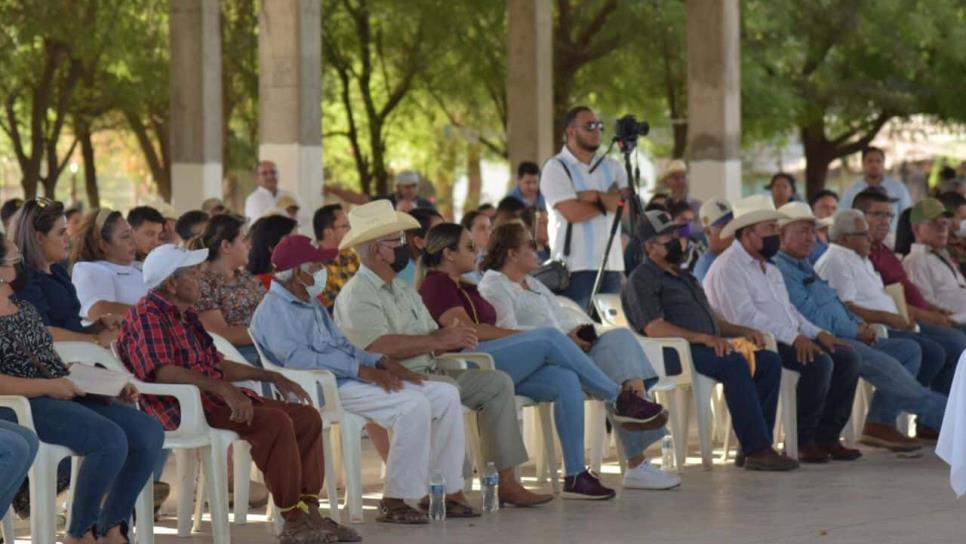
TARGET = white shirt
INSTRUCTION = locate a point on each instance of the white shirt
(940, 281)
(261, 201)
(101, 280)
(744, 295)
(589, 237)
(519, 308)
(854, 279)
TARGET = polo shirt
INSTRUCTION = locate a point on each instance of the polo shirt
(102, 280)
(654, 293)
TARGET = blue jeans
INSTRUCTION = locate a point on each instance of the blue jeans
(120, 446)
(953, 342)
(547, 366)
(582, 283)
(620, 357)
(752, 400)
(891, 366)
(18, 446)
(826, 390)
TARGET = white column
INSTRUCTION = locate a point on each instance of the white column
(290, 95)
(529, 81)
(196, 168)
(714, 98)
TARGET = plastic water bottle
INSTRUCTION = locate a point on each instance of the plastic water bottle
(491, 488)
(667, 454)
(437, 497)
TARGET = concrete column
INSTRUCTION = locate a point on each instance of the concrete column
(714, 98)
(290, 95)
(529, 81)
(196, 167)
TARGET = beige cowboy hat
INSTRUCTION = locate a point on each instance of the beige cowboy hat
(749, 211)
(374, 220)
(673, 167)
(796, 211)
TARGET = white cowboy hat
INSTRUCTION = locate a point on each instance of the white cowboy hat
(795, 211)
(825, 222)
(374, 220)
(673, 167)
(749, 211)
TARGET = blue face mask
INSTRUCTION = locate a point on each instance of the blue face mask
(685, 231)
(320, 278)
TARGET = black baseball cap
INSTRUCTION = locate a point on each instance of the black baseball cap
(655, 223)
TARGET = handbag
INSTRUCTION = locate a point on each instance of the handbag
(555, 274)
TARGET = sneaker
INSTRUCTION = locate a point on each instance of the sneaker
(586, 486)
(635, 413)
(769, 460)
(885, 436)
(647, 476)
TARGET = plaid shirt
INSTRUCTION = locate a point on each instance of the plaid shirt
(156, 333)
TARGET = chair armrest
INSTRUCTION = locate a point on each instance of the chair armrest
(679, 345)
(458, 361)
(309, 380)
(770, 343)
(189, 401)
(21, 407)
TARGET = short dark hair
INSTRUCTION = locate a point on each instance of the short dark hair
(952, 200)
(872, 149)
(865, 198)
(822, 194)
(511, 205)
(486, 206)
(468, 218)
(324, 218)
(676, 207)
(9, 208)
(187, 222)
(71, 212)
(142, 214)
(572, 113)
(528, 168)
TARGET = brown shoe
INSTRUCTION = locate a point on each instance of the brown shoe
(927, 434)
(769, 460)
(838, 452)
(329, 525)
(302, 531)
(521, 497)
(810, 453)
(885, 436)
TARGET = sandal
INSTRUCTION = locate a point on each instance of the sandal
(401, 513)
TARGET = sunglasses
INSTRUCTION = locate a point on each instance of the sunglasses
(594, 125)
(396, 241)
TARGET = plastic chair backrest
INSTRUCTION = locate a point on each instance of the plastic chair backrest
(311, 385)
(88, 353)
(230, 352)
(610, 309)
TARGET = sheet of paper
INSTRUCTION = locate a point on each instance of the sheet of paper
(98, 381)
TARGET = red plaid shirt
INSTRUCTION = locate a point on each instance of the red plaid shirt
(156, 333)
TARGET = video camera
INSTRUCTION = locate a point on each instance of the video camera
(628, 129)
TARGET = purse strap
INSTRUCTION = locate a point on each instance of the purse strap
(570, 226)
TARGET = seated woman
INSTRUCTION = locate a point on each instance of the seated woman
(18, 446)
(229, 292)
(522, 302)
(40, 228)
(106, 276)
(120, 444)
(543, 363)
(264, 235)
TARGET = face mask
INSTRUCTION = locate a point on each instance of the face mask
(20, 282)
(401, 259)
(685, 231)
(961, 231)
(320, 277)
(770, 246)
(675, 253)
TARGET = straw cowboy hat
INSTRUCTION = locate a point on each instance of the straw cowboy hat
(796, 211)
(374, 220)
(749, 211)
(673, 167)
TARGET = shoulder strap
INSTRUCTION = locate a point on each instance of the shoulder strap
(570, 226)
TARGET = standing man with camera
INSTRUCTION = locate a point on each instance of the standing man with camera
(582, 206)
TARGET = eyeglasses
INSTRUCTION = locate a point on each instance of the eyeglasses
(881, 215)
(393, 242)
(863, 234)
(594, 125)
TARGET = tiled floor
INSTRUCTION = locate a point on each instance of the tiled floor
(881, 498)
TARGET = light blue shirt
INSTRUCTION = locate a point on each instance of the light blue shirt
(817, 252)
(703, 265)
(300, 335)
(894, 189)
(518, 194)
(815, 298)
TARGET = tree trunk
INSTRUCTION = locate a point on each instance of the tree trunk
(157, 163)
(819, 153)
(680, 139)
(90, 168)
(474, 177)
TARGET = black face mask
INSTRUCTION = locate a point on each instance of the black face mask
(770, 245)
(675, 253)
(401, 259)
(20, 282)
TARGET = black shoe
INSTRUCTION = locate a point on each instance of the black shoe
(586, 486)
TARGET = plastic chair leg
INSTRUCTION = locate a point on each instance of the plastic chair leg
(351, 456)
(8, 533)
(473, 448)
(332, 493)
(596, 432)
(242, 468)
(703, 388)
(789, 401)
(43, 497)
(199, 509)
(546, 424)
(187, 469)
(144, 512)
(215, 462)
(678, 403)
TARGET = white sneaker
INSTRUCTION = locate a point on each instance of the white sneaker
(647, 476)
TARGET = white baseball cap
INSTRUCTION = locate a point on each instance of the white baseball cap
(166, 259)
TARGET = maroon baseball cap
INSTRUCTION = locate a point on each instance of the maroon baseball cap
(297, 250)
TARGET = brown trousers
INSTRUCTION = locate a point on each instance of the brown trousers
(286, 442)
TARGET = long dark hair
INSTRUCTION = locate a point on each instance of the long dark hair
(506, 237)
(266, 233)
(36, 215)
(220, 228)
(442, 236)
(97, 226)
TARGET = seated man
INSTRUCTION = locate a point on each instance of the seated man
(660, 300)
(934, 322)
(383, 314)
(747, 289)
(928, 263)
(295, 331)
(162, 341)
(888, 364)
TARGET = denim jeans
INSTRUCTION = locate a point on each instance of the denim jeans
(18, 446)
(547, 366)
(933, 358)
(618, 355)
(891, 366)
(826, 390)
(752, 400)
(582, 283)
(120, 446)
(953, 342)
